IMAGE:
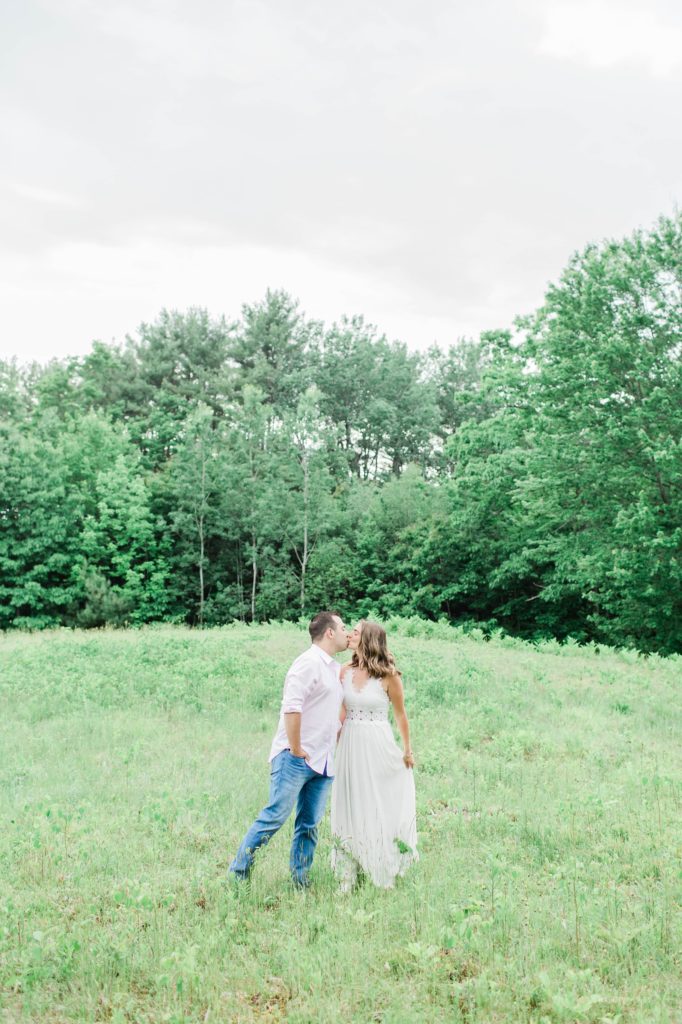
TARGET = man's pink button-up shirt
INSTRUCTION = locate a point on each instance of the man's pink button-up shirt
(312, 688)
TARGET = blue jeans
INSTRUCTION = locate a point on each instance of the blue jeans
(292, 781)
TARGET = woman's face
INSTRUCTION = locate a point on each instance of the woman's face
(354, 637)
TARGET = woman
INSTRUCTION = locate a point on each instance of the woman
(373, 804)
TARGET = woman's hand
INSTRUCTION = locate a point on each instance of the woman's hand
(396, 696)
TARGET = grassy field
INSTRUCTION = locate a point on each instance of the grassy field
(549, 790)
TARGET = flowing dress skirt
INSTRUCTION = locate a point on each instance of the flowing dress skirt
(373, 816)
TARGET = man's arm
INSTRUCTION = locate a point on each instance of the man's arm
(298, 684)
(292, 724)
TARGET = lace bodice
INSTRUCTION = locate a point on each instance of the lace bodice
(369, 703)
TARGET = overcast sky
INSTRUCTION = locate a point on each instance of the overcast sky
(431, 165)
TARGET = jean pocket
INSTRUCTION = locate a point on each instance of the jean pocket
(278, 762)
(295, 758)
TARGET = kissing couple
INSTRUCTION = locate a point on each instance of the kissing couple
(373, 816)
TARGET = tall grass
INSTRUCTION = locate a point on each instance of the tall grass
(549, 799)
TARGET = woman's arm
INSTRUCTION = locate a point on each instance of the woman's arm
(342, 719)
(396, 696)
(342, 711)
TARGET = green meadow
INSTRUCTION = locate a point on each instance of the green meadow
(549, 790)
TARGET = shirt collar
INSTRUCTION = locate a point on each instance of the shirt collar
(326, 658)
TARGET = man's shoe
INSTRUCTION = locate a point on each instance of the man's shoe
(238, 884)
(300, 883)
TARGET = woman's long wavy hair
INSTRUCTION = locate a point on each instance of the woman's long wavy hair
(373, 653)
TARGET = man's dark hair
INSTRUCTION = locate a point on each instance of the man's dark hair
(320, 623)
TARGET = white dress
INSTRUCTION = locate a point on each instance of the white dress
(373, 818)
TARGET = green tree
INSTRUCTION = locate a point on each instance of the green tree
(607, 459)
(124, 569)
(183, 361)
(197, 497)
(255, 461)
(15, 397)
(378, 395)
(55, 387)
(408, 416)
(110, 379)
(461, 379)
(394, 521)
(303, 486)
(47, 488)
(272, 351)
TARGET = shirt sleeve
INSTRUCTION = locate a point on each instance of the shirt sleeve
(298, 684)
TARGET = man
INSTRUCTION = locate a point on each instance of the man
(302, 752)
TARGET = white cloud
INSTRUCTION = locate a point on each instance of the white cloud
(422, 164)
(46, 196)
(79, 292)
(244, 48)
(603, 34)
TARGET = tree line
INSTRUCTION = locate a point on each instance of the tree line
(209, 470)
